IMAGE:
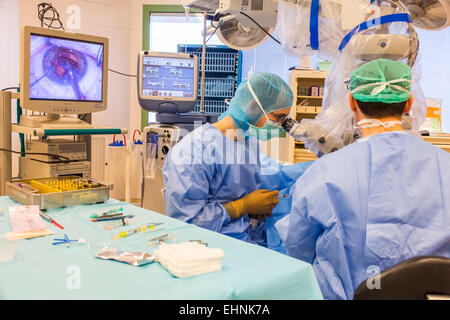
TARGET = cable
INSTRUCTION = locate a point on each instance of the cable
(212, 34)
(215, 18)
(277, 41)
(63, 159)
(143, 182)
(84, 116)
(123, 74)
(10, 88)
(201, 47)
(43, 9)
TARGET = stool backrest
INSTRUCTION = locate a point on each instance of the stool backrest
(419, 278)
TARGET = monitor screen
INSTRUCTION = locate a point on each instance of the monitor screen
(168, 77)
(66, 70)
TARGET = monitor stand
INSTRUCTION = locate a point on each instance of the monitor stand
(176, 118)
(53, 121)
(185, 121)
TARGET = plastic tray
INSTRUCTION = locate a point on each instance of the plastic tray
(48, 193)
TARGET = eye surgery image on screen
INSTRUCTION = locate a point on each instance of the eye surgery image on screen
(62, 69)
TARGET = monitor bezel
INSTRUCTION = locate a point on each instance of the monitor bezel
(59, 106)
(187, 56)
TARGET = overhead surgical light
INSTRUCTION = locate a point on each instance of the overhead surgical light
(244, 24)
(429, 14)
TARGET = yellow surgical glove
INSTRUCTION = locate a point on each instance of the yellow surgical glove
(259, 203)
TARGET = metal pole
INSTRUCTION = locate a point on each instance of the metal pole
(202, 102)
(5, 140)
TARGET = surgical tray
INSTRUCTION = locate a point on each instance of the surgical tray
(58, 192)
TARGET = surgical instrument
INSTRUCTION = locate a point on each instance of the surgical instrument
(143, 228)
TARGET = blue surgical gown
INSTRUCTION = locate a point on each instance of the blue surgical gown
(205, 170)
(276, 176)
(367, 207)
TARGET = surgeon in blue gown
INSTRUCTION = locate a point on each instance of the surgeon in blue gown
(217, 178)
(374, 203)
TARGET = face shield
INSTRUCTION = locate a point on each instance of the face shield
(334, 127)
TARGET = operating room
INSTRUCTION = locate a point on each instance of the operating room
(211, 142)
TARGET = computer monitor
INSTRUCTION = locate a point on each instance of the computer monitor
(167, 82)
(63, 72)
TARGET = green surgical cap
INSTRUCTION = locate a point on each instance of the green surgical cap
(381, 81)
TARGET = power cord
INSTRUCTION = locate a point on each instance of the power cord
(201, 47)
(216, 17)
(62, 158)
(246, 15)
(123, 74)
(43, 9)
(10, 88)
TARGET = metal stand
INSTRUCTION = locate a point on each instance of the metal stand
(5, 139)
(202, 100)
(7, 127)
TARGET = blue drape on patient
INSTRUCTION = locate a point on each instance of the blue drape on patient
(276, 176)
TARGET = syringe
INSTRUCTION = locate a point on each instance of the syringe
(123, 222)
(143, 228)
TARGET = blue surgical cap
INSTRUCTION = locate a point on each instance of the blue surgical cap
(272, 92)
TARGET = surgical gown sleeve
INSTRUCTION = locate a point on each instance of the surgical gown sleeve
(300, 229)
(276, 176)
(187, 196)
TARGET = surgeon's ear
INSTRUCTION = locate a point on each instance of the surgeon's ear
(353, 103)
(409, 104)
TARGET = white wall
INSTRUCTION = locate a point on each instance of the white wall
(9, 67)
(9, 35)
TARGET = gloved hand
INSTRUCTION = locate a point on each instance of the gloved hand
(258, 204)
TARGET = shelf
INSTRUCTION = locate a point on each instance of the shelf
(309, 109)
(303, 155)
(299, 80)
(310, 74)
(437, 139)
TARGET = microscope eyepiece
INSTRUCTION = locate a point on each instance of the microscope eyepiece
(288, 124)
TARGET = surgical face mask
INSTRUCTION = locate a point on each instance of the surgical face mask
(270, 129)
(265, 133)
(372, 123)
